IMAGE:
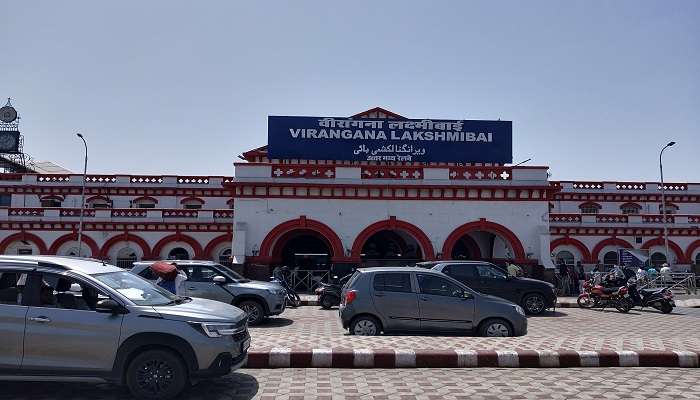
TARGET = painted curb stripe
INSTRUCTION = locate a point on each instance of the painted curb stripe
(283, 357)
(687, 359)
(280, 357)
(363, 358)
(321, 358)
(572, 359)
(467, 359)
(508, 358)
(487, 358)
(301, 359)
(342, 358)
(405, 358)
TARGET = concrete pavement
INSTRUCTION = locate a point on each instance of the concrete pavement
(404, 384)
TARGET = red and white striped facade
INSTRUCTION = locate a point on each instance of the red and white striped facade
(502, 211)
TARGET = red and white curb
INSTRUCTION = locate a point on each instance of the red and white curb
(375, 358)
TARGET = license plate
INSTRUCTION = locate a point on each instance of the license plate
(245, 345)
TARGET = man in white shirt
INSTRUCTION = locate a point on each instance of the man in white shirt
(666, 273)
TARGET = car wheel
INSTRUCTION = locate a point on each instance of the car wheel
(327, 302)
(255, 311)
(495, 327)
(156, 374)
(534, 304)
(365, 326)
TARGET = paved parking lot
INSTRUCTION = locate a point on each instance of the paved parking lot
(428, 384)
(567, 329)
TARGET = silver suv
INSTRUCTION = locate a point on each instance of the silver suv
(389, 299)
(72, 317)
(209, 280)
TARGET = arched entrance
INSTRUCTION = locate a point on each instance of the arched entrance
(388, 247)
(481, 245)
(392, 243)
(299, 237)
(306, 246)
(483, 240)
(303, 249)
(179, 253)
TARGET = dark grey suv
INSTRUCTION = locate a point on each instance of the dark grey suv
(390, 299)
(71, 317)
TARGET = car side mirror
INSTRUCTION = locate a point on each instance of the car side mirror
(466, 295)
(219, 279)
(109, 306)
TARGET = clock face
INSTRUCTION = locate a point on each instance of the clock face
(8, 114)
(8, 142)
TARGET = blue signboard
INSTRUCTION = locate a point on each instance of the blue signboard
(414, 140)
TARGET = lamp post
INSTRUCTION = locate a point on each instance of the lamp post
(82, 199)
(663, 201)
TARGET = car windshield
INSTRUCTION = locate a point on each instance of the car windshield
(232, 274)
(137, 289)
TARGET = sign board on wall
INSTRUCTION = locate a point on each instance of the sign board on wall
(328, 138)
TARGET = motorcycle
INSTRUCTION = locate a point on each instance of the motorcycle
(660, 299)
(293, 300)
(597, 295)
(329, 293)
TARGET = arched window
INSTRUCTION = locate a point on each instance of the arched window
(589, 208)
(126, 258)
(144, 202)
(610, 258)
(51, 201)
(178, 253)
(630, 208)
(697, 259)
(657, 259)
(192, 205)
(566, 257)
(225, 257)
(99, 202)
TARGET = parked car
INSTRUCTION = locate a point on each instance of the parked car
(533, 295)
(209, 280)
(68, 317)
(392, 299)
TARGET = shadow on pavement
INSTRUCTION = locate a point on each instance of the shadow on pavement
(549, 314)
(274, 323)
(233, 386)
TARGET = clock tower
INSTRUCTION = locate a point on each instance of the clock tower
(12, 157)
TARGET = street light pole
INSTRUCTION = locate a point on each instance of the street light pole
(82, 199)
(663, 202)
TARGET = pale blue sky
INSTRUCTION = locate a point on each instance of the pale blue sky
(594, 88)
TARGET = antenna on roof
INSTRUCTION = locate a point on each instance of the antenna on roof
(522, 162)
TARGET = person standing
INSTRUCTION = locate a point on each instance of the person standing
(514, 270)
(573, 280)
(642, 276)
(581, 276)
(666, 273)
(170, 276)
(652, 273)
(563, 278)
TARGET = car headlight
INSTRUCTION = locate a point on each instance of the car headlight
(216, 329)
(276, 292)
(519, 309)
